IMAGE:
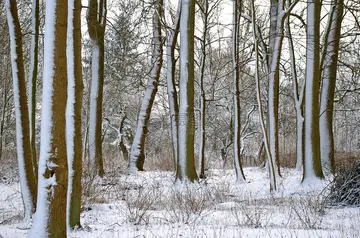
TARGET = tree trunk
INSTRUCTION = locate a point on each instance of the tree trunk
(96, 20)
(240, 177)
(32, 81)
(50, 217)
(137, 154)
(73, 113)
(26, 173)
(328, 88)
(186, 122)
(312, 163)
(171, 39)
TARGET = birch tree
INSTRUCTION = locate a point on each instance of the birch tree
(312, 162)
(96, 21)
(26, 173)
(186, 121)
(137, 154)
(35, 22)
(237, 7)
(330, 59)
(73, 113)
(171, 39)
(50, 216)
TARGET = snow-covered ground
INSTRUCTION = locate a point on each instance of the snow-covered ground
(150, 205)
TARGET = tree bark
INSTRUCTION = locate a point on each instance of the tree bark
(328, 88)
(137, 154)
(96, 20)
(312, 162)
(50, 217)
(73, 113)
(186, 162)
(26, 173)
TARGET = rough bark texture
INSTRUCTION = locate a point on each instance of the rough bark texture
(96, 20)
(50, 218)
(328, 88)
(74, 206)
(240, 177)
(312, 162)
(186, 121)
(27, 179)
(137, 154)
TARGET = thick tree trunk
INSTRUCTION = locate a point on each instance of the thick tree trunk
(186, 132)
(240, 177)
(26, 173)
(328, 88)
(96, 20)
(312, 162)
(32, 81)
(50, 217)
(73, 113)
(137, 154)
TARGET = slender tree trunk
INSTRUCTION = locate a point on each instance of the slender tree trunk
(273, 182)
(298, 100)
(328, 88)
(137, 154)
(240, 177)
(50, 217)
(186, 121)
(26, 173)
(32, 81)
(202, 106)
(312, 162)
(171, 39)
(73, 113)
(96, 19)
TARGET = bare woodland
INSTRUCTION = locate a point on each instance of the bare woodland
(178, 107)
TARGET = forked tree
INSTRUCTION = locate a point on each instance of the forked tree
(329, 68)
(73, 113)
(137, 154)
(50, 216)
(26, 172)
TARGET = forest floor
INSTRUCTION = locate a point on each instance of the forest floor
(150, 205)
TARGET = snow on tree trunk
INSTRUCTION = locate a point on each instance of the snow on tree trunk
(171, 39)
(273, 185)
(26, 173)
(73, 114)
(312, 163)
(186, 125)
(50, 216)
(96, 20)
(240, 177)
(137, 153)
(328, 87)
(298, 101)
(201, 74)
(35, 22)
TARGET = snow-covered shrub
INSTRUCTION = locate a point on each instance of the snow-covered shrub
(345, 187)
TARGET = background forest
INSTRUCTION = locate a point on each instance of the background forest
(105, 103)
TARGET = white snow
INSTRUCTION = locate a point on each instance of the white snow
(224, 208)
(26, 194)
(41, 216)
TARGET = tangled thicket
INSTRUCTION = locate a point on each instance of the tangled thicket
(345, 188)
